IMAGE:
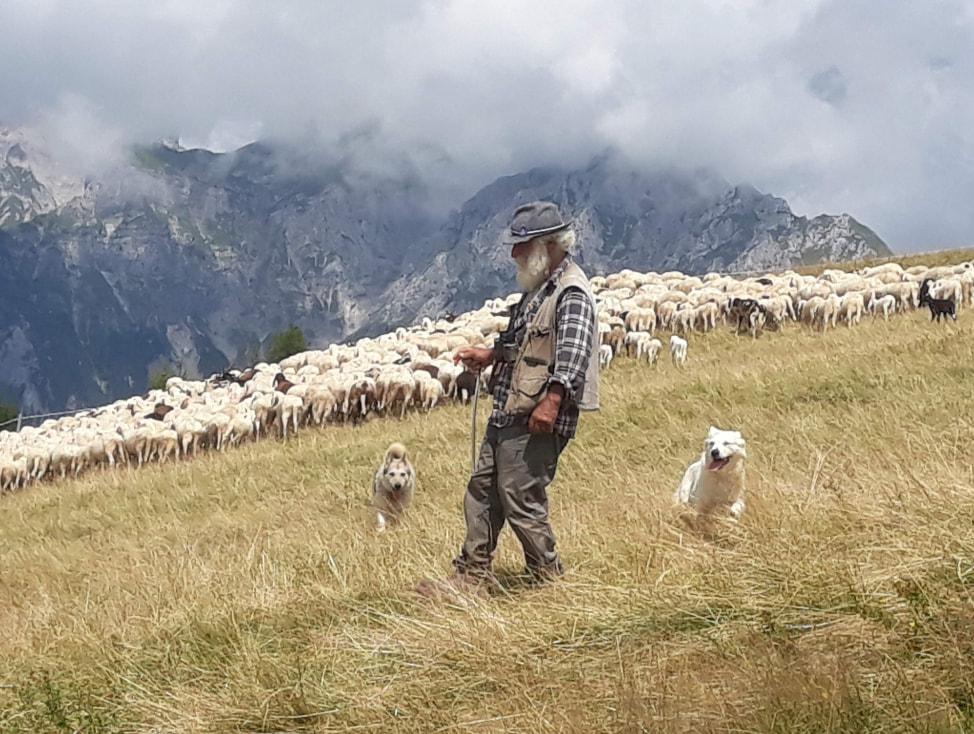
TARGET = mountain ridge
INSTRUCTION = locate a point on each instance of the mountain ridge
(193, 258)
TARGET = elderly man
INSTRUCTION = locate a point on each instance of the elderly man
(545, 372)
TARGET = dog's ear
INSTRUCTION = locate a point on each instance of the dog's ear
(739, 440)
(714, 430)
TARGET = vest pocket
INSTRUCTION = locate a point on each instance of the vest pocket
(532, 370)
(528, 386)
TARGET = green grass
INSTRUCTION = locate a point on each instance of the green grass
(249, 592)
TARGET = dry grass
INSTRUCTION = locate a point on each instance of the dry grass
(248, 592)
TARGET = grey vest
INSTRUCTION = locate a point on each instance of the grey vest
(536, 356)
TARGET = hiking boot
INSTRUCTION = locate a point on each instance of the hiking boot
(458, 585)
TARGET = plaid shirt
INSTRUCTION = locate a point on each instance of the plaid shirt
(574, 327)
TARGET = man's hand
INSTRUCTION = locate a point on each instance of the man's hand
(474, 358)
(543, 416)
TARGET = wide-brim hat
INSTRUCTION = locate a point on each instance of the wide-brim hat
(534, 220)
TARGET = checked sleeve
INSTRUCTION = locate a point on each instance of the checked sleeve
(575, 327)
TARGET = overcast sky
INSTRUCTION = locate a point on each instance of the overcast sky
(859, 106)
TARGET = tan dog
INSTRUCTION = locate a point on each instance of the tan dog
(392, 488)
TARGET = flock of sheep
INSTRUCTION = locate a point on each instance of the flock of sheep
(412, 368)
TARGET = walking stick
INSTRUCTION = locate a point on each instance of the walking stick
(473, 427)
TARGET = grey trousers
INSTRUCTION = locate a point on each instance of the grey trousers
(513, 471)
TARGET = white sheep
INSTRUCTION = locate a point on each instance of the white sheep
(431, 391)
(851, 307)
(884, 305)
(13, 473)
(321, 401)
(651, 349)
(678, 350)
(384, 372)
(292, 410)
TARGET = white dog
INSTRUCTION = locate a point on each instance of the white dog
(715, 481)
(392, 488)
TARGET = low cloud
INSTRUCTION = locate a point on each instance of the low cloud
(836, 105)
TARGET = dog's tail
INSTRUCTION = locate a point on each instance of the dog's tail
(396, 450)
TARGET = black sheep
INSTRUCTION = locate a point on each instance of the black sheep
(159, 412)
(941, 307)
(466, 385)
(281, 383)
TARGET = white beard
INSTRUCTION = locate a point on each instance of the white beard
(532, 269)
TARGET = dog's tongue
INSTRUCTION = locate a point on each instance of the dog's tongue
(718, 464)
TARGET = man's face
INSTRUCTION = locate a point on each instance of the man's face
(533, 262)
(520, 250)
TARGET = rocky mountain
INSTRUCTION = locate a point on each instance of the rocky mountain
(625, 218)
(193, 259)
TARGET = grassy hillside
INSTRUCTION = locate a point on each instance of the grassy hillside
(248, 591)
(929, 259)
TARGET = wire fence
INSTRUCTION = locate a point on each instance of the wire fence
(21, 418)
